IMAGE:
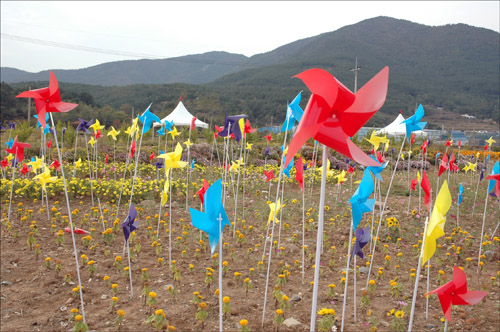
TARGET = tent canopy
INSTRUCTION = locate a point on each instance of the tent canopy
(397, 128)
(181, 117)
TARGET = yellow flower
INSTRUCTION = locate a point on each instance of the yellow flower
(243, 322)
(371, 282)
(400, 314)
(120, 313)
(78, 318)
(152, 295)
(74, 310)
(279, 312)
(202, 305)
(114, 299)
(225, 299)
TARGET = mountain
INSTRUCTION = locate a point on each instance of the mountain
(191, 69)
(453, 67)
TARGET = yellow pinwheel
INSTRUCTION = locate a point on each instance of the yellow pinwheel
(273, 212)
(402, 155)
(341, 177)
(249, 146)
(174, 133)
(91, 141)
(188, 143)
(10, 157)
(96, 126)
(376, 140)
(113, 133)
(45, 178)
(386, 147)
(37, 164)
(435, 228)
(235, 165)
(164, 193)
(329, 172)
(490, 141)
(78, 163)
(173, 159)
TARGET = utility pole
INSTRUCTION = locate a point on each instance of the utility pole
(355, 70)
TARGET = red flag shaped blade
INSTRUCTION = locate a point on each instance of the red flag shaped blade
(444, 165)
(426, 187)
(413, 185)
(300, 173)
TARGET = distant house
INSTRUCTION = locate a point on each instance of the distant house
(468, 116)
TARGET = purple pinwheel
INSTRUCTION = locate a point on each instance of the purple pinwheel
(2, 127)
(266, 152)
(159, 164)
(231, 122)
(130, 224)
(12, 125)
(362, 239)
(84, 125)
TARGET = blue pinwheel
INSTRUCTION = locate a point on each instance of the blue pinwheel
(293, 113)
(287, 170)
(9, 143)
(413, 122)
(38, 122)
(376, 170)
(84, 125)
(214, 215)
(147, 118)
(168, 124)
(232, 122)
(362, 239)
(494, 171)
(130, 224)
(193, 161)
(460, 192)
(161, 132)
(359, 201)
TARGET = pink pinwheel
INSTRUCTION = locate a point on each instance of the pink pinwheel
(334, 113)
(455, 292)
(444, 164)
(269, 175)
(203, 190)
(17, 149)
(132, 150)
(48, 100)
(55, 165)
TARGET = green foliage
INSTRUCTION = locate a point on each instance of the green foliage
(23, 131)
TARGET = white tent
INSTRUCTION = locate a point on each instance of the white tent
(396, 128)
(181, 117)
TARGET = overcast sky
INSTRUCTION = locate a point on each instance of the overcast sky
(77, 34)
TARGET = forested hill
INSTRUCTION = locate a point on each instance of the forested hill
(454, 67)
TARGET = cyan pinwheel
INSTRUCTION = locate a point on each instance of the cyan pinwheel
(492, 182)
(48, 100)
(460, 194)
(130, 224)
(214, 217)
(413, 122)
(147, 118)
(293, 113)
(376, 170)
(9, 143)
(359, 201)
(38, 122)
(334, 113)
(287, 170)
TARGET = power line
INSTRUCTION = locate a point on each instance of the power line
(113, 52)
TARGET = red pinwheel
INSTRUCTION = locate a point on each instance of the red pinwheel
(49, 144)
(380, 158)
(232, 136)
(4, 163)
(299, 175)
(25, 169)
(203, 190)
(413, 185)
(17, 149)
(268, 137)
(192, 123)
(350, 170)
(448, 142)
(444, 164)
(47, 100)
(218, 129)
(452, 165)
(216, 135)
(486, 147)
(132, 149)
(152, 156)
(106, 159)
(455, 292)
(76, 231)
(269, 175)
(459, 143)
(334, 113)
(98, 134)
(412, 139)
(497, 183)
(426, 187)
(248, 128)
(424, 146)
(55, 165)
